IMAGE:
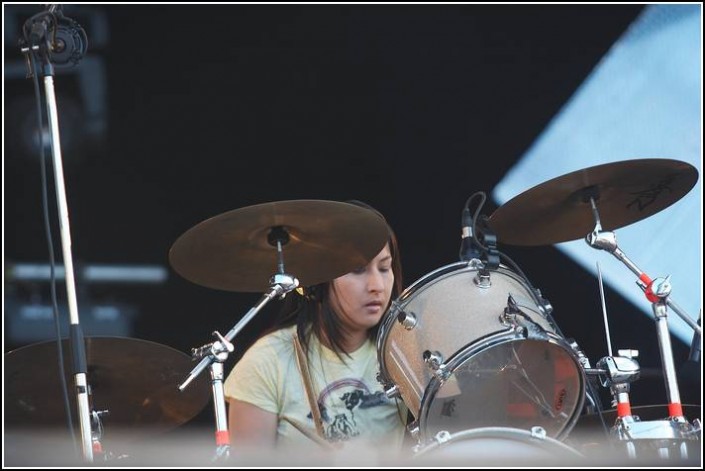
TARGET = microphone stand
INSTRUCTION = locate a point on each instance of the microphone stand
(38, 45)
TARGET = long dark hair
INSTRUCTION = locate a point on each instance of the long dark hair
(312, 313)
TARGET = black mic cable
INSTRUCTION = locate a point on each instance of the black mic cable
(470, 245)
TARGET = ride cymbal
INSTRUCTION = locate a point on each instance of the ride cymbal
(136, 381)
(559, 210)
(234, 251)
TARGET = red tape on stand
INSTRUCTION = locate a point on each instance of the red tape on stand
(675, 409)
(222, 437)
(648, 291)
(624, 409)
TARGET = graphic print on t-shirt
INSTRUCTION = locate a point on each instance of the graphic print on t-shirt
(338, 403)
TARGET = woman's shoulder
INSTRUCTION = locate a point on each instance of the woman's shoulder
(273, 349)
(278, 339)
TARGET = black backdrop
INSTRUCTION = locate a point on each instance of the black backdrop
(410, 108)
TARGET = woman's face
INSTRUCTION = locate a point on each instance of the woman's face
(361, 297)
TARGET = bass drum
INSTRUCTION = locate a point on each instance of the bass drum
(468, 347)
(497, 446)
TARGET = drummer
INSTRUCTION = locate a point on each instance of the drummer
(322, 352)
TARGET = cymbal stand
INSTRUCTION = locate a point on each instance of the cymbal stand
(97, 433)
(213, 355)
(657, 291)
(100, 453)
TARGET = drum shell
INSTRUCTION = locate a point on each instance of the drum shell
(458, 315)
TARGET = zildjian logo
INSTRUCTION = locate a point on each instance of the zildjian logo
(644, 198)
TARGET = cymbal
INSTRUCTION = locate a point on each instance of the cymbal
(232, 252)
(135, 380)
(558, 210)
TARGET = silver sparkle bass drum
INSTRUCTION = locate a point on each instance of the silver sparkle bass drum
(467, 347)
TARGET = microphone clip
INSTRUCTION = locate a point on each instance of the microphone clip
(478, 241)
(481, 245)
(489, 240)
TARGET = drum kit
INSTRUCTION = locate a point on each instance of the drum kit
(520, 373)
(471, 348)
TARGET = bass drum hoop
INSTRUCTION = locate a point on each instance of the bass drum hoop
(506, 433)
(481, 345)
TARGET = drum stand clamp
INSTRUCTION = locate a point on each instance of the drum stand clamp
(520, 321)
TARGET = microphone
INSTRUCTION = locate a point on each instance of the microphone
(39, 31)
(42, 23)
(468, 247)
(64, 40)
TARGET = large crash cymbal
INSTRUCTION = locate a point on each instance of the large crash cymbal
(135, 380)
(559, 210)
(232, 251)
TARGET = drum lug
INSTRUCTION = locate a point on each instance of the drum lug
(508, 320)
(414, 431)
(392, 392)
(482, 280)
(583, 360)
(518, 320)
(476, 264)
(438, 439)
(442, 437)
(544, 304)
(508, 317)
(407, 319)
(538, 432)
(434, 361)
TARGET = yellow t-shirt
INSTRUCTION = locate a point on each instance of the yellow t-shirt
(352, 402)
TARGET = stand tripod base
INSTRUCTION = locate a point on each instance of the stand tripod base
(668, 439)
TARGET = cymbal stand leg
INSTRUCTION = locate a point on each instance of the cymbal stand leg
(97, 433)
(222, 436)
(669, 369)
(216, 354)
(213, 355)
(100, 453)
